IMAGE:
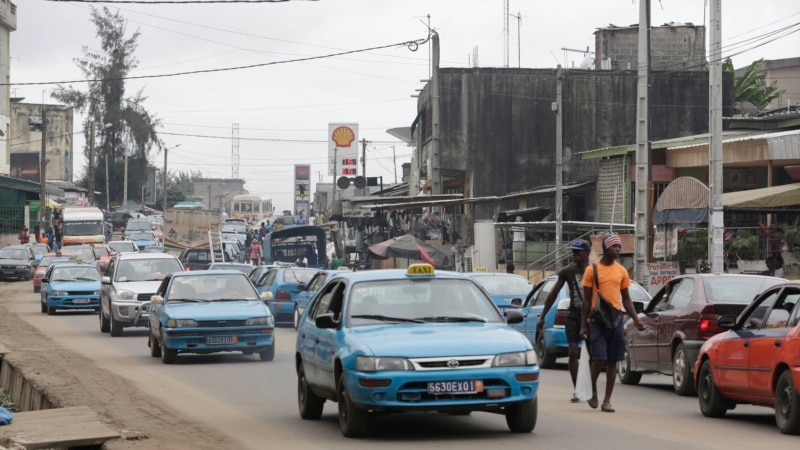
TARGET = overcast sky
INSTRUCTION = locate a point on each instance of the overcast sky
(283, 110)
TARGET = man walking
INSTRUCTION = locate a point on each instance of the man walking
(606, 344)
(571, 275)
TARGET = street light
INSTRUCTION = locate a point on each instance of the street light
(165, 178)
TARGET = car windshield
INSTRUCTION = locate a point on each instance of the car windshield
(146, 269)
(122, 247)
(75, 274)
(100, 252)
(244, 268)
(83, 252)
(736, 289)
(404, 301)
(12, 253)
(212, 288)
(142, 236)
(298, 276)
(504, 284)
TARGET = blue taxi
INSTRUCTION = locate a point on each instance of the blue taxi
(70, 285)
(390, 341)
(504, 288)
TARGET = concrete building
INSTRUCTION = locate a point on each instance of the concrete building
(786, 74)
(674, 46)
(216, 193)
(8, 24)
(26, 140)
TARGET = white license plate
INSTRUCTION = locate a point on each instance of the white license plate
(211, 340)
(455, 387)
(81, 300)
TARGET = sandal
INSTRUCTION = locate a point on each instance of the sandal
(593, 402)
(607, 407)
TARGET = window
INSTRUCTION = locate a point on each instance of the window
(541, 296)
(756, 316)
(682, 295)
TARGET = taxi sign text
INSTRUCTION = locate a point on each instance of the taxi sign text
(420, 269)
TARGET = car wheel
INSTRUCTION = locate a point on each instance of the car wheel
(626, 376)
(546, 360)
(51, 310)
(36, 289)
(105, 326)
(712, 402)
(787, 405)
(168, 355)
(44, 305)
(681, 374)
(309, 404)
(268, 354)
(155, 347)
(352, 421)
(296, 318)
(521, 417)
(116, 327)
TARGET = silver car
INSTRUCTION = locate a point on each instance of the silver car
(130, 280)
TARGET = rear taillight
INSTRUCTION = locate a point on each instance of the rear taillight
(283, 296)
(561, 317)
(707, 323)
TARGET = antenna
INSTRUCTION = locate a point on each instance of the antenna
(505, 33)
(235, 151)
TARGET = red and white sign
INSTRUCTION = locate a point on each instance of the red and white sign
(342, 149)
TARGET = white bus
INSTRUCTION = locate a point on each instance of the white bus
(82, 226)
(251, 207)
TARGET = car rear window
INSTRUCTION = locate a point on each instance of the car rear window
(740, 290)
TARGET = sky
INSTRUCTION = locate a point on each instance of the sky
(283, 108)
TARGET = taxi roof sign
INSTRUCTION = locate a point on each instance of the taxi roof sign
(481, 269)
(420, 269)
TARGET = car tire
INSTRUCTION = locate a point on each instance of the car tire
(546, 360)
(309, 404)
(105, 326)
(712, 402)
(268, 354)
(521, 417)
(787, 405)
(296, 316)
(352, 421)
(44, 305)
(51, 311)
(116, 327)
(626, 376)
(168, 355)
(155, 347)
(682, 380)
(36, 290)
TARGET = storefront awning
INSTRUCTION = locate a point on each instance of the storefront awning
(770, 197)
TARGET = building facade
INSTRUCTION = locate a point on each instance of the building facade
(25, 144)
(674, 46)
(8, 24)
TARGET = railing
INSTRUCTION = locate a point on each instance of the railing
(549, 260)
(12, 218)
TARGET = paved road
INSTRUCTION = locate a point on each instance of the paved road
(256, 401)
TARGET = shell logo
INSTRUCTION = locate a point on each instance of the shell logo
(343, 136)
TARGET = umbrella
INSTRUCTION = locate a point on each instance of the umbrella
(408, 246)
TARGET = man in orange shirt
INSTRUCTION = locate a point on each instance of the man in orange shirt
(606, 345)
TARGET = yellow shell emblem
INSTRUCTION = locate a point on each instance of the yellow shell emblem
(343, 136)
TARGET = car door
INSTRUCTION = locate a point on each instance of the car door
(766, 344)
(674, 309)
(528, 324)
(643, 344)
(157, 309)
(309, 337)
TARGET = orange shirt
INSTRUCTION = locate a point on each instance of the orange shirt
(613, 279)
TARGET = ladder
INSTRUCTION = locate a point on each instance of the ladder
(215, 246)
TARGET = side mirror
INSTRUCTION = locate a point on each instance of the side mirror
(45, 280)
(266, 296)
(105, 280)
(516, 302)
(302, 287)
(156, 299)
(727, 322)
(513, 316)
(326, 321)
(638, 307)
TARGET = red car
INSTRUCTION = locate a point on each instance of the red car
(47, 259)
(757, 361)
(102, 255)
(681, 316)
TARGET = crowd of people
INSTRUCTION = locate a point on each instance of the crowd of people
(51, 236)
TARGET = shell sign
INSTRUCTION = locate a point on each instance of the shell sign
(342, 149)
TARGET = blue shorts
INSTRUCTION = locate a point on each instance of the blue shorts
(605, 344)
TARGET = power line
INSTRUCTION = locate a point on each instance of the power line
(157, 2)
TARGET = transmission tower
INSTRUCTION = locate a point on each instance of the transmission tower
(235, 151)
(505, 33)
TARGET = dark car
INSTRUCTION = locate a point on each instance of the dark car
(135, 225)
(16, 261)
(199, 258)
(118, 219)
(681, 316)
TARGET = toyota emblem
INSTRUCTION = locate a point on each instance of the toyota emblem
(453, 363)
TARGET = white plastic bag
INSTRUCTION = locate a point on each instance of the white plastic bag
(583, 385)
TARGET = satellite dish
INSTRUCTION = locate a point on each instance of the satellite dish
(343, 182)
(360, 182)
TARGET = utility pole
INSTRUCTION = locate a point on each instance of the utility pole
(164, 203)
(716, 222)
(394, 164)
(435, 163)
(505, 33)
(125, 181)
(559, 166)
(43, 169)
(91, 163)
(364, 156)
(519, 38)
(642, 209)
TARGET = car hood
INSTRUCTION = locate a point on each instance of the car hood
(138, 286)
(75, 285)
(239, 310)
(451, 339)
(14, 262)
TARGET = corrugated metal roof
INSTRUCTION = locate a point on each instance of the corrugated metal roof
(28, 186)
(683, 193)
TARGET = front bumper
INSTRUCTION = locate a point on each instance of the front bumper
(13, 272)
(195, 340)
(131, 314)
(74, 301)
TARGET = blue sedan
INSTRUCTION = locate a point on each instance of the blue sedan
(144, 239)
(503, 287)
(208, 311)
(387, 341)
(282, 285)
(68, 285)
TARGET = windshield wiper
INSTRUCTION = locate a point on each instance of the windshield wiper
(195, 300)
(86, 279)
(385, 318)
(233, 300)
(453, 319)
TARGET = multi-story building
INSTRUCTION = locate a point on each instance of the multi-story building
(8, 24)
(25, 144)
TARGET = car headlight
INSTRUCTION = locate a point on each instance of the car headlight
(125, 295)
(24, 267)
(181, 323)
(377, 363)
(266, 320)
(527, 358)
(59, 293)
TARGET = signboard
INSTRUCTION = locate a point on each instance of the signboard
(342, 149)
(659, 274)
(302, 182)
(25, 166)
(665, 242)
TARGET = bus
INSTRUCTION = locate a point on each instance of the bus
(251, 207)
(290, 243)
(82, 226)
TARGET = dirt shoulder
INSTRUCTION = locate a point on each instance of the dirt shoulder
(69, 379)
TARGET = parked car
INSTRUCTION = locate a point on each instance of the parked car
(209, 311)
(16, 261)
(381, 341)
(681, 316)
(503, 287)
(70, 285)
(552, 344)
(143, 239)
(48, 259)
(83, 252)
(755, 361)
(282, 284)
(120, 247)
(131, 279)
(39, 250)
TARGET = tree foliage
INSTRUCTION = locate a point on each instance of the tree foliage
(122, 123)
(751, 86)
